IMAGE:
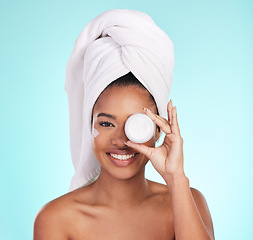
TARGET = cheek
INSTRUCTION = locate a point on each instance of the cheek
(100, 145)
(99, 139)
(95, 132)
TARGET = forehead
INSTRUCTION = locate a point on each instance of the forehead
(123, 99)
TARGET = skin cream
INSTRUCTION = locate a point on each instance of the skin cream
(139, 128)
(94, 132)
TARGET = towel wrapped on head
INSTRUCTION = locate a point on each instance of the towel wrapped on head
(113, 44)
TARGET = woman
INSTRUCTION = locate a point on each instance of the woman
(118, 202)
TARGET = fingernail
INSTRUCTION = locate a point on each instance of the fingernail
(127, 144)
(146, 109)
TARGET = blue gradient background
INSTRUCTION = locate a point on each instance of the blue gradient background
(211, 89)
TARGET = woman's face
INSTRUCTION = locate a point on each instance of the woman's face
(110, 113)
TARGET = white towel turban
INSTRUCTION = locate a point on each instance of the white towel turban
(113, 44)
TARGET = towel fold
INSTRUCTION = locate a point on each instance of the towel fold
(113, 44)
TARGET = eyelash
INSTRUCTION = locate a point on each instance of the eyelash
(108, 124)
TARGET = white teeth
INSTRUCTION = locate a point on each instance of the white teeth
(122, 157)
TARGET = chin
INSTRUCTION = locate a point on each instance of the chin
(123, 175)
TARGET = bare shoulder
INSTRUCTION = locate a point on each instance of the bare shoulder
(61, 218)
(49, 222)
(203, 209)
(200, 200)
(53, 220)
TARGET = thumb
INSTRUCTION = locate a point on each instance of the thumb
(147, 151)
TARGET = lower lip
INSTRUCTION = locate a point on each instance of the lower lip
(122, 163)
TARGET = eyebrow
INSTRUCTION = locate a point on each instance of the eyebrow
(106, 115)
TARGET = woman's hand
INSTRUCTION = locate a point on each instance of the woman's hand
(167, 159)
(188, 205)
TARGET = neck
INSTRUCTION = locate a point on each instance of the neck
(121, 193)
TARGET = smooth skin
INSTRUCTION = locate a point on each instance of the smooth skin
(167, 159)
(122, 204)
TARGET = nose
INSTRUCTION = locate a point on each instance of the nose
(119, 138)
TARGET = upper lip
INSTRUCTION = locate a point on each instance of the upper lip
(121, 152)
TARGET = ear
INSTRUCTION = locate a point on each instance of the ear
(157, 134)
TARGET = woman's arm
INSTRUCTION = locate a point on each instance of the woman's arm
(192, 220)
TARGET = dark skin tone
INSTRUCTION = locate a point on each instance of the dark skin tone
(122, 204)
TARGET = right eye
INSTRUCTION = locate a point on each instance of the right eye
(106, 124)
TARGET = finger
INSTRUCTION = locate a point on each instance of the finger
(169, 108)
(147, 151)
(174, 125)
(166, 123)
(158, 120)
(162, 119)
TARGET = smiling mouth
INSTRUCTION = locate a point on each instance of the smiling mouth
(122, 157)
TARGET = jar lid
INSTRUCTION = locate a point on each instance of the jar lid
(139, 128)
